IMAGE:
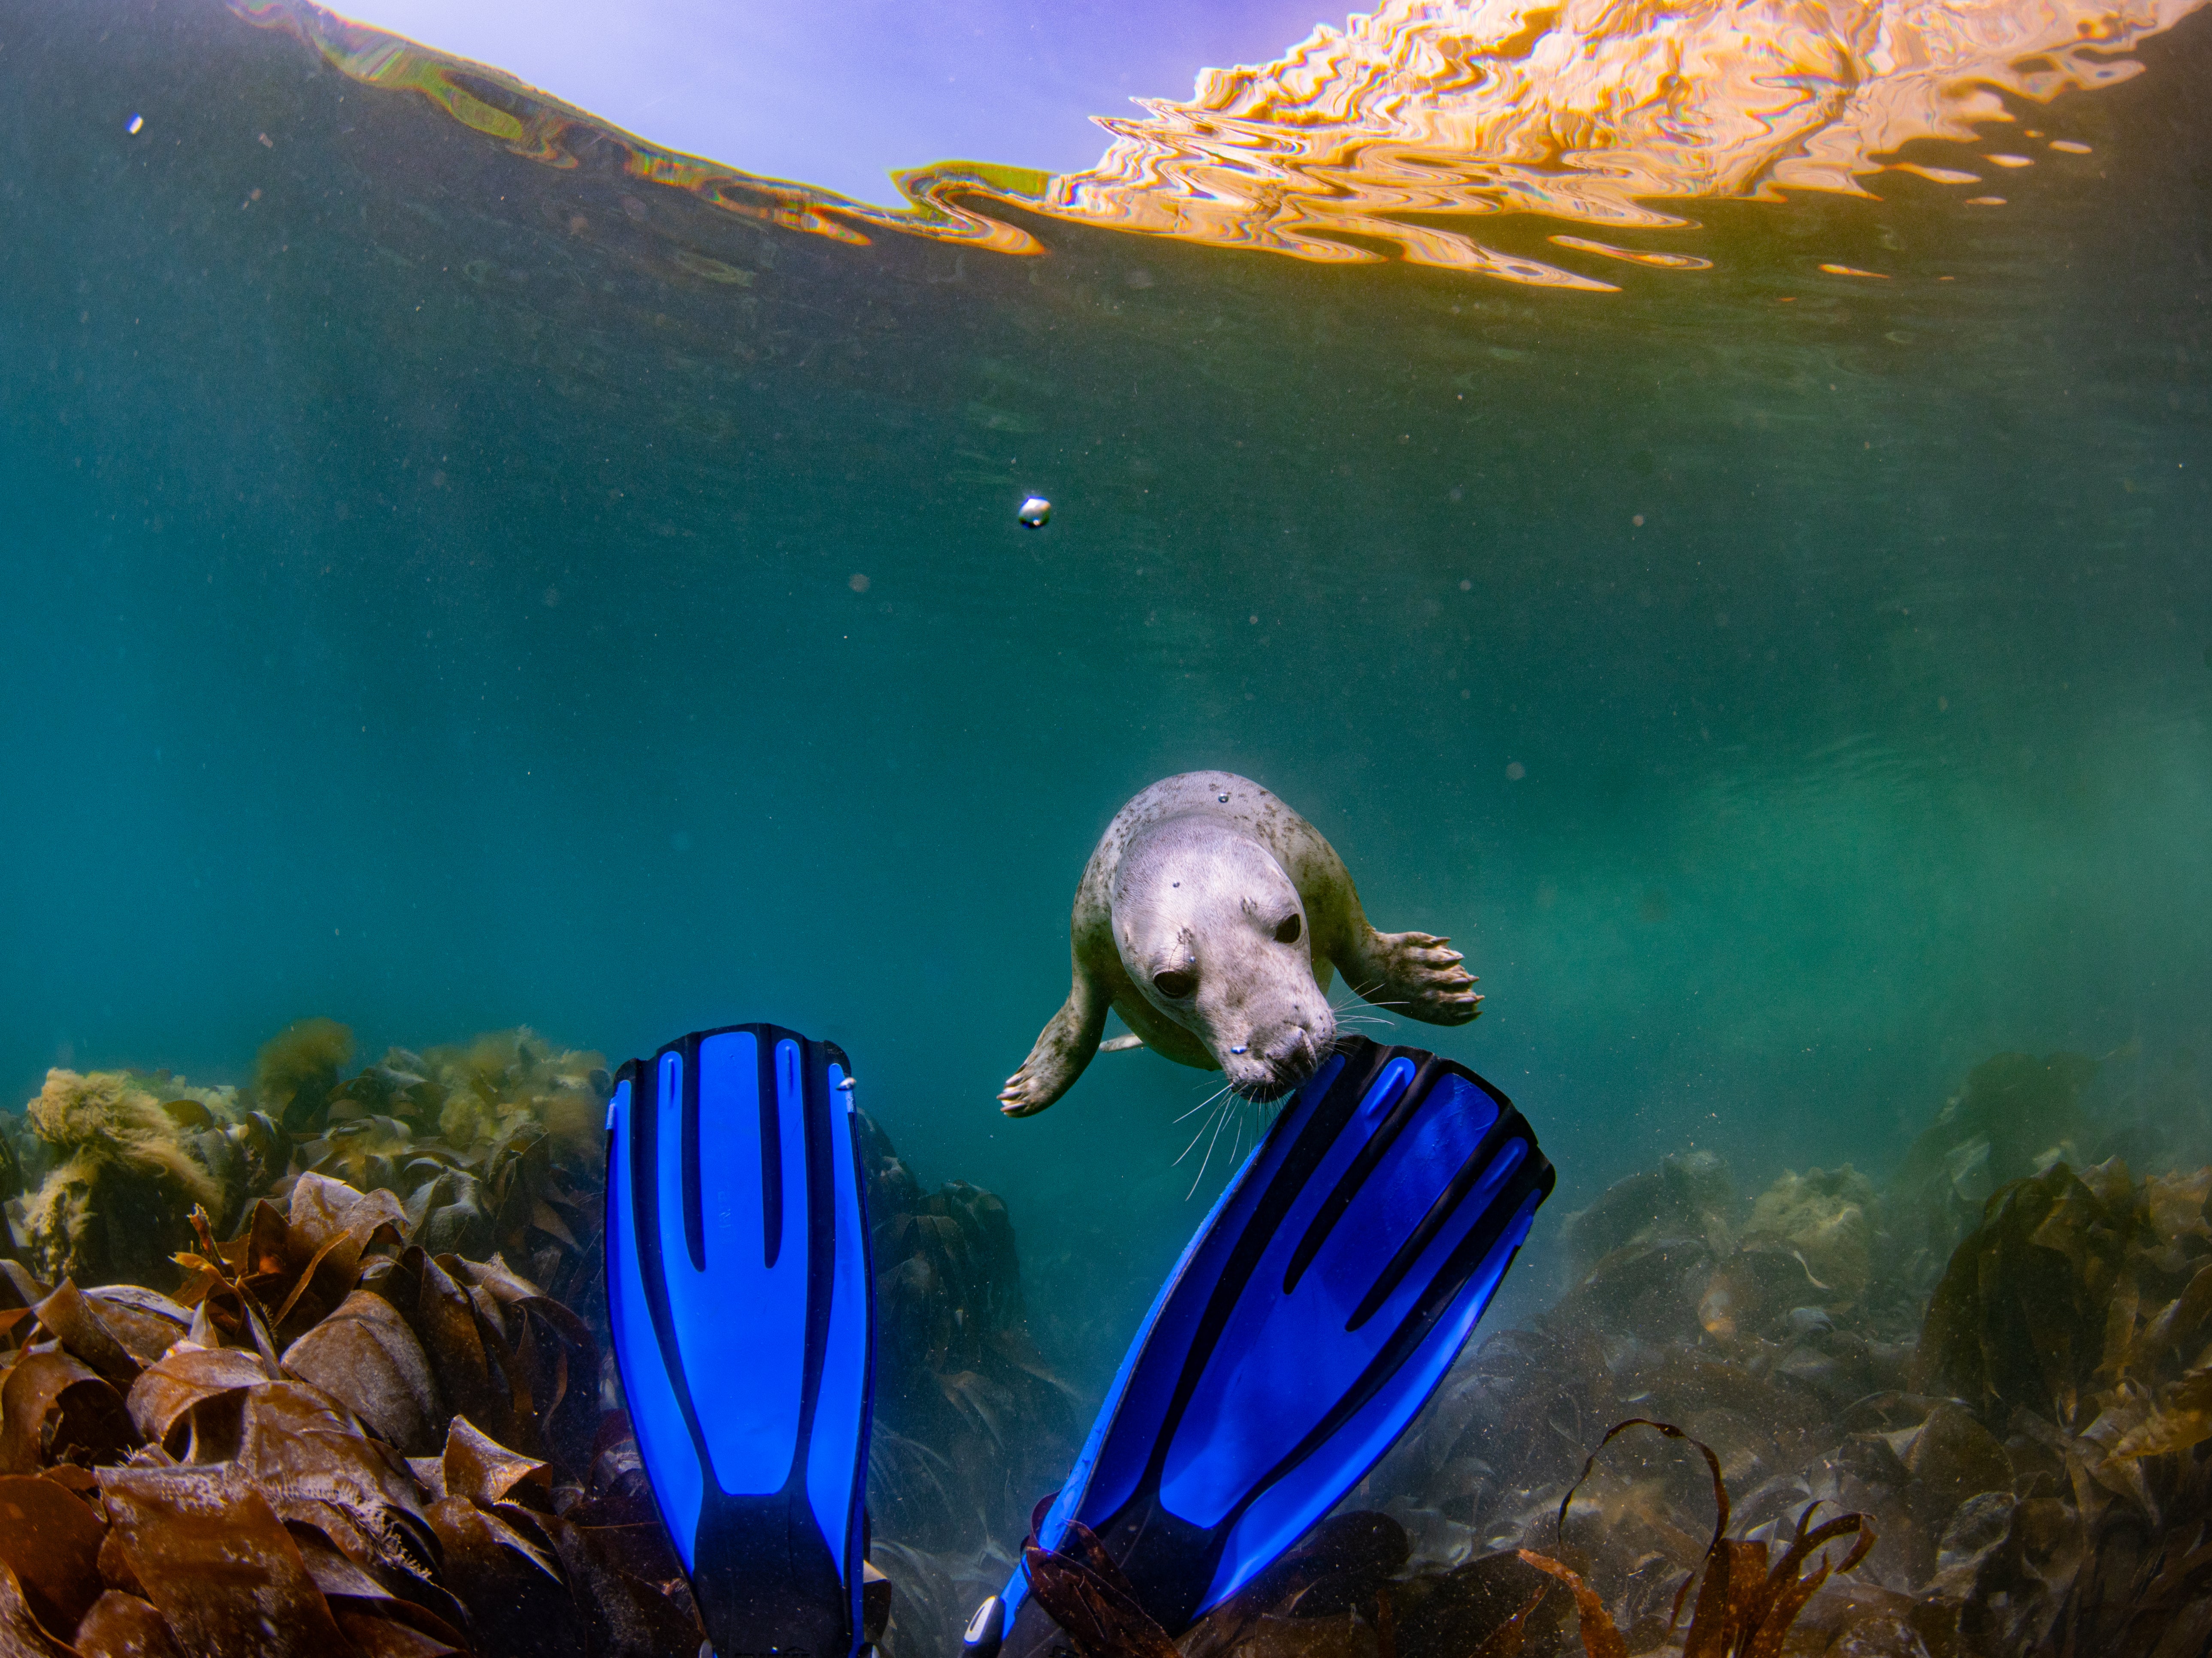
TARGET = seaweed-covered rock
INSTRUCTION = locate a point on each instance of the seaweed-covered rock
(1827, 1220)
(1688, 1196)
(298, 1070)
(474, 1094)
(127, 1157)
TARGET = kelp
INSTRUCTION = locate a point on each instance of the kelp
(2015, 1116)
(403, 1339)
(2033, 1445)
(491, 1145)
(1748, 1597)
(1745, 1606)
(330, 1440)
(2041, 1299)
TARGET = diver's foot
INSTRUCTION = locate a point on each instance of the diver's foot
(1418, 974)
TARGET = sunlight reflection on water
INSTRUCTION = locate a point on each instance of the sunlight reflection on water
(1600, 112)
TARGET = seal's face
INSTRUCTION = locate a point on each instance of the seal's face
(1215, 936)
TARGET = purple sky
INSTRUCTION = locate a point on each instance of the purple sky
(838, 92)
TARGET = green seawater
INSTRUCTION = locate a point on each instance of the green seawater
(429, 605)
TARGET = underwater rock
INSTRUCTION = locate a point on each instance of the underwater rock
(1655, 1256)
(129, 1157)
(1689, 1195)
(1756, 1288)
(1826, 1219)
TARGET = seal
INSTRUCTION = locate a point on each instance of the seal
(1210, 918)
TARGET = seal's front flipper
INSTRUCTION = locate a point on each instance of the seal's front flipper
(1121, 1044)
(1416, 973)
(1063, 1048)
(741, 1301)
(1315, 1313)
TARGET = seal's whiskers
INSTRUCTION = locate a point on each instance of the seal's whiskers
(1222, 1094)
(1202, 1104)
(1221, 1117)
(1356, 1005)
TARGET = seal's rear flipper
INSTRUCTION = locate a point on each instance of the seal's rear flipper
(741, 1301)
(1315, 1312)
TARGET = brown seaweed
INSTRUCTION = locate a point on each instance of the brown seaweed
(384, 1338)
(1745, 1605)
(206, 1495)
(1083, 1588)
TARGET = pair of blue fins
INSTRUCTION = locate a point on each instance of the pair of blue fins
(1314, 1313)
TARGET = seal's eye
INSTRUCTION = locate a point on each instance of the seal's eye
(1286, 930)
(1174, 984)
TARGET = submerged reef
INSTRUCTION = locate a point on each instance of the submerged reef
(2025, 1421)
(344, 1335)
(493, 1144)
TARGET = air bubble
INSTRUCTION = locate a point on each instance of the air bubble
(1036, 512)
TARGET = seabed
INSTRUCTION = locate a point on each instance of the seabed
(317, 1364)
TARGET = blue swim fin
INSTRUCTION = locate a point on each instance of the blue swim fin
(1314, 1314)
(741, 1300)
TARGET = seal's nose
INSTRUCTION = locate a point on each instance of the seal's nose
(1293, 1055)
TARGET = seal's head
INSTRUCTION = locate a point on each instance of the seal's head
(1214, 935)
